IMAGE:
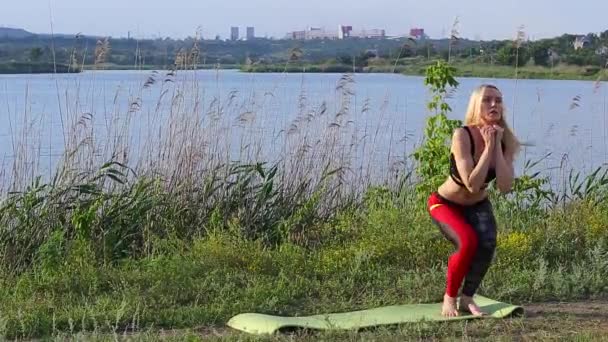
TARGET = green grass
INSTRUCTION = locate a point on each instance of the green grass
(559, 72)
(465, 68)
(113, 66)
(36, 68)
(381, 255)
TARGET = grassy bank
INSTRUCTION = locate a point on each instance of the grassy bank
(418, 67)
(112, 66)
(176, 234)
(559, 72)
(36, 68)
(297, 68)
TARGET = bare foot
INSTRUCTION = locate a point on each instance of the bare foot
(468, 305)
(449, 306)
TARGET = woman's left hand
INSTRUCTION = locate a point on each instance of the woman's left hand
(499, 132)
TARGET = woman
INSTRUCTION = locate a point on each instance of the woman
(483, 150)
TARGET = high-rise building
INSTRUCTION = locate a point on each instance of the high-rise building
(417, 33)
(234, 33)
(250, 33)
(344, 31)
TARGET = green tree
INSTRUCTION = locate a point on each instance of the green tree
(364, 56)
(583, 57)
(508, 55)
(345, 59)
(604, 37)
(432, 157)
(35, 54)
(295, 54)
(540, 53)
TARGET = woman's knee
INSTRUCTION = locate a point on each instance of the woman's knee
(469, 243)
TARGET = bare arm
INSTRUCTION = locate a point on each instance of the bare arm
(504, 169)
(473, 178)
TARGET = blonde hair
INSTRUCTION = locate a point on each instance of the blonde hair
(473, 117)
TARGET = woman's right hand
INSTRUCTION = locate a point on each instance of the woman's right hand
(488, 134)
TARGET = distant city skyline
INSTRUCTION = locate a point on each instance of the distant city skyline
(181, 18)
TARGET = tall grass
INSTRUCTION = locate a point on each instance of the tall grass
(519, 39)
(172, 167)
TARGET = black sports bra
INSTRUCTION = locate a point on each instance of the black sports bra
(455, 175)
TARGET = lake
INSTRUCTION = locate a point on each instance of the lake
(387, 112)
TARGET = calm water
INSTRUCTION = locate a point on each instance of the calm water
(566, 118)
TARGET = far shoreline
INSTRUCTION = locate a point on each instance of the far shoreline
(573, 73)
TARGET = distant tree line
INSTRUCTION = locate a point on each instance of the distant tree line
(167, 52)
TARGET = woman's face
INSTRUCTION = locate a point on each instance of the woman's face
(491, 106)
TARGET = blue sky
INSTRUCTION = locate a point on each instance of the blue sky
(478, 19)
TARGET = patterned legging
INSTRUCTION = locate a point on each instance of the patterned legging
(472, 229)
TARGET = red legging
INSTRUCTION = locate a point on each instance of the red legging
(472, 229)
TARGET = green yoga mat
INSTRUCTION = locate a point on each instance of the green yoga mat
(256, 323)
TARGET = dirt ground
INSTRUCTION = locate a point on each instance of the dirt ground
(584, 319)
